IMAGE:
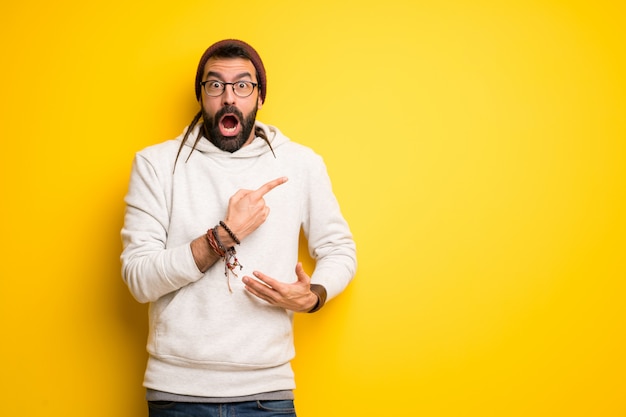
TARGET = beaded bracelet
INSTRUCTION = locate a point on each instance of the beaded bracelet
(230, 232)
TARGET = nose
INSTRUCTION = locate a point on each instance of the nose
(228, 96)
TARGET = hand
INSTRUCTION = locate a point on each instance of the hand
(247, 209)
(295, 297)
(246, 212)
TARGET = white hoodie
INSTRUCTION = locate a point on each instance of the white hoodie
(203, 339)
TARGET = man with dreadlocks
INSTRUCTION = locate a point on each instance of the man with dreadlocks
(219, 269)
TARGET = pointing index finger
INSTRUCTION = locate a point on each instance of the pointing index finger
(269, 186)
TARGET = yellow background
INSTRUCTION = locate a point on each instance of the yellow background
(478, 149)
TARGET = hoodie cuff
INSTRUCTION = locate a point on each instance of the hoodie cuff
(320, 291)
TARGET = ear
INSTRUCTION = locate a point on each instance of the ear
(260, 103)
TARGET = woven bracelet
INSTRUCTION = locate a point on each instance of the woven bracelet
(213, 243)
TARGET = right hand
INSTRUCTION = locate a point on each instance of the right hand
(247, 209)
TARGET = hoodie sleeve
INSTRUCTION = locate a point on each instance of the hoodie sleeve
(149, 268)
(329, 238)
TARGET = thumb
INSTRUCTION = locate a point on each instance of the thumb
(302, 276)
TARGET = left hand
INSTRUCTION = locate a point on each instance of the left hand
(296, 296)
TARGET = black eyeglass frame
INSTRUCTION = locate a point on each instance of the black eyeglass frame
(223, 84)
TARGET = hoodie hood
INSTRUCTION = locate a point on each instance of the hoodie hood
(256, 148)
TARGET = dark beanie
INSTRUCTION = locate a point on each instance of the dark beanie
(221, 49)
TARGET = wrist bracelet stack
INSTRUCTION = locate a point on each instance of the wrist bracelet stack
(227, 254)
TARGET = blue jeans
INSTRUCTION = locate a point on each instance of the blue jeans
(280, 408)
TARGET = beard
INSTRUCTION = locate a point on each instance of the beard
(228, 143)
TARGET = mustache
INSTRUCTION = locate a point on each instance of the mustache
(228, 110)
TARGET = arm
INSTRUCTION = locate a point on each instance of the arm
(149, 268)
(330, 244)
(328, 235)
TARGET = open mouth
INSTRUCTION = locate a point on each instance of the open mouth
(229, 125)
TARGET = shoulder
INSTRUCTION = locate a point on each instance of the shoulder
(161, 156)
(291, 149)
(160, 150)
(296, 149)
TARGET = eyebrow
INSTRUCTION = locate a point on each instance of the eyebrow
(219, 75)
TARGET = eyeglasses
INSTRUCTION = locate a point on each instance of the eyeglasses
(214, 88)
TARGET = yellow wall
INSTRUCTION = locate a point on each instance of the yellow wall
(478, 149)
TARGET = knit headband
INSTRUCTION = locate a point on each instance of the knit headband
(220, 49)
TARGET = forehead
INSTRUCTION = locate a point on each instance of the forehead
(230, 68)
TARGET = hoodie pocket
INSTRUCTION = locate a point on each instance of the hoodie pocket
(205, 324)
